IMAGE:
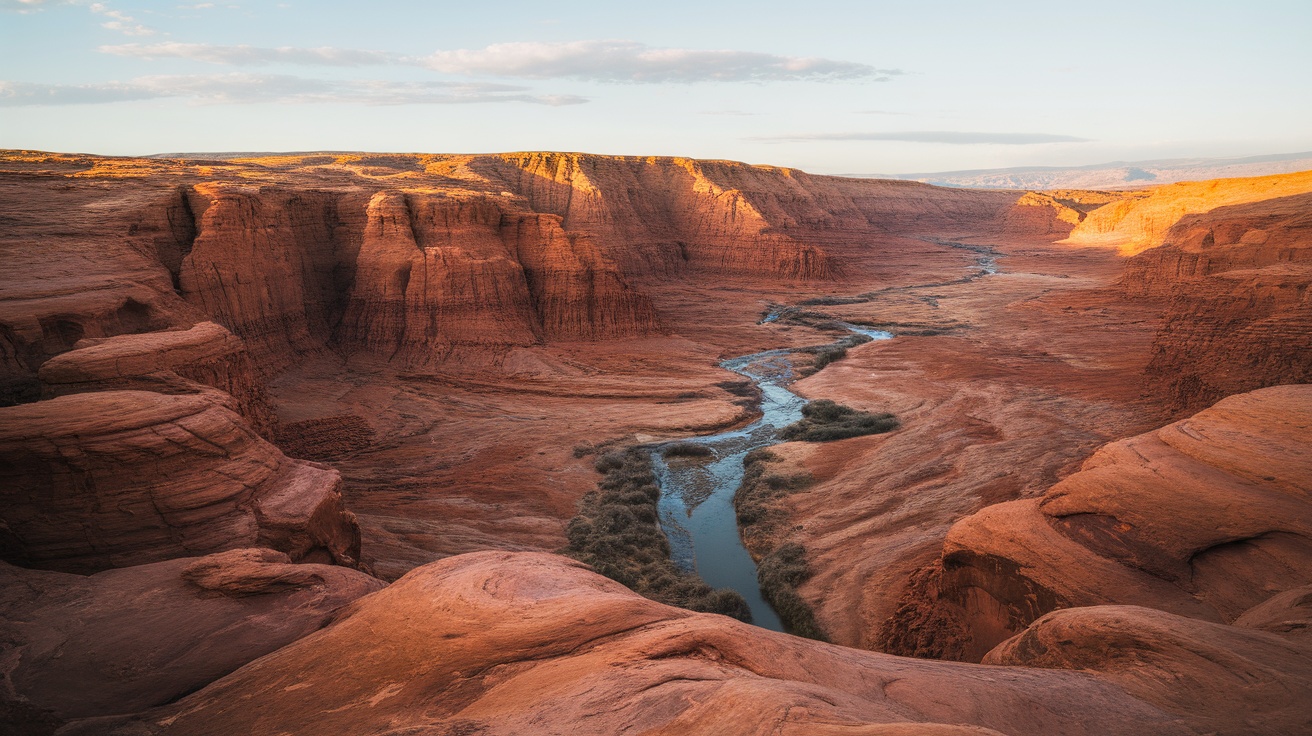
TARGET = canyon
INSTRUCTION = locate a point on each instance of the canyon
(291, 443)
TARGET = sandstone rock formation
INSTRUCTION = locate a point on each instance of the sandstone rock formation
(1237, 282)
(435, 274)
(504, 643)
(452, 332)
(1136, 224)
(1206, 518)
(117, 478)
(1181, 665)
(124, 640)
(166, 362)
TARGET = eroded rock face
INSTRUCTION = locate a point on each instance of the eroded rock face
(166, 362)
(262, 264)
(435, 275)
(1289, 614)
(504, 643)
(124, 640)
(1204, 518)
(1179, 664)
(118, 478)
(1237, 282)
(1138, 223)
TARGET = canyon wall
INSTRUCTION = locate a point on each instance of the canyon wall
(107, 479)
(1204, 518)
(416, 259)
(1137, 223)
(1237, 287)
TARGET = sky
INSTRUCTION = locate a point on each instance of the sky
(826, 86)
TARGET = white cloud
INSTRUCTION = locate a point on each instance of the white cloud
(254, 55)
(930, 136)
(120, 21)
(629, 61)
(594, 61)
(254, 88)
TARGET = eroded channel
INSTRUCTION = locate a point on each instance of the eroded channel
(696, 503)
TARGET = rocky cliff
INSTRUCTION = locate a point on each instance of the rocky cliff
(1137, 223)
(1237, 287)
(107, 479)
(124, 640)
(1205, 518)
(502, 643)
(173, 361)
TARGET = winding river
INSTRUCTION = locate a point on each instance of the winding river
(696, 504)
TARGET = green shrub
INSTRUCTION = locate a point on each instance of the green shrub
(825, 357)
(824, 421)
(779, 569)
(687, 449)
(779, 574)
(617, 532)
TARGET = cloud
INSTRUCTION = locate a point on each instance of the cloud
(930, 136)
(120, 21)
(629, 61)
(593, 61)
(256, 88)
(731, 113)
(22, 6)
(254, 55)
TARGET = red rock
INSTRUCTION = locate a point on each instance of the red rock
(1237, 282)
(1205, 518)
(120, 478)
(1181, 665)
(504, 643)
(1288, 613)
(206, 354)
(124, 640)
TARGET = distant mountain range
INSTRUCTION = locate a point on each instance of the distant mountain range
(1117, 174)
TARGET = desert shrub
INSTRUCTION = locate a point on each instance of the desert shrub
(608, 462)
(617, 532)
(687, 449)
(779, 573)
(824, 421)
(743, 388)
(824, 301)
(825, 357)
(779, 569)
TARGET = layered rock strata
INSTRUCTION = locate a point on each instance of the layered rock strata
(1237, 287)
(118, 478)
(503, 643)
(166, 362)
(1205, 518)
(124, 640)
(1179, 664)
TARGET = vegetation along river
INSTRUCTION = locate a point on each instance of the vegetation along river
(696, 503)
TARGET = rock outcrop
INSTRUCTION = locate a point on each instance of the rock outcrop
(1179, 664)
(122, 641)
(503, 643)
(165, 362)
(118, 478)
(1139, 223)
(1237, 285)
(1204, 518)
(436, 274)
(263, 264)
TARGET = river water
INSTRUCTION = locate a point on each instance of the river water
(696, 504)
